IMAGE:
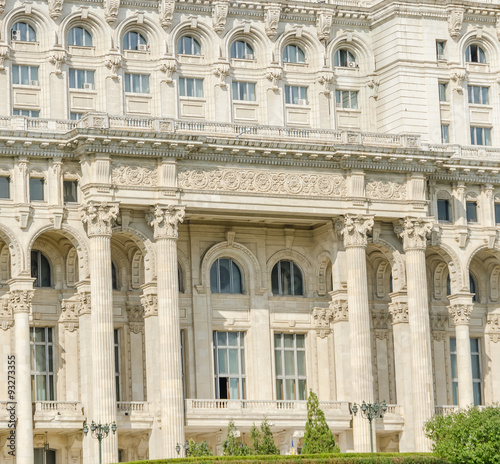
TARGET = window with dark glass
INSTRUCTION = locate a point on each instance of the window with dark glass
(24, 75)
(497, 213)
(475, 54)
(40, 269)
(293, 54)
(134, 41)
(81, 79)
(443, 92)
(37, 189)
(179, 279)
(225, 276)
(79, 37)
(286, 279)
(471, 211)
(477, 95)
(23, 32)
(243, 91)
(190, 87)
(116, 345)
(440, 47)
(242, 50)
(480, 136)
(290, 366)
(346, 99)
(476, 370)
(4, 187)
(42, 363)
(344, 58)
(27, 113)
(229, 364)
(473, 288)
(188, 45)
(443, 210)
(114, 277)
(295, 95)
(445, 133)
(448, 285)
(43, 456)
(70, 191)
(137, 83)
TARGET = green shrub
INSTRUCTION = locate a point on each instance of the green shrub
(263, 441)
(470, 436)
(198, 449)
(232, 445)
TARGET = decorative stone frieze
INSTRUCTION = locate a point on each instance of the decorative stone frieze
(493, 327)
(166, 10)
(354, 229)
(219, 16)
(399, 312)
(99, 217)
(385, 190)
(20, 301)
(165, 220)
(272, 19)
(134, 175)
(461, 313)
(414, 232)
(6, 314)
(70, 311)
(455, 21)
(322, 318)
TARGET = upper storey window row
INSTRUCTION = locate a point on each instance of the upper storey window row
(79, 37)
(475, 54)
(134, 41)
(24, 32)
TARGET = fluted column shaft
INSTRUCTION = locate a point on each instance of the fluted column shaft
(414, 233)
(99, 219)
(354, 230)
(165, 222)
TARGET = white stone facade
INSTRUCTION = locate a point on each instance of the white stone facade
(322, 177)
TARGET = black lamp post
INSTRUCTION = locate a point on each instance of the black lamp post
(99, 431)
(370, 411)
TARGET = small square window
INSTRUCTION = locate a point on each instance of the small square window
(4, 187)
(443, 210)
(70, 192)
(471, 210)
(36, 189)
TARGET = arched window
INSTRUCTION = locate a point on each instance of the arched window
(40, 269)
(188, 45)
(114, 277)
(473, 288)
(241, 50)
(286, 279)
(133, 40)
(293, 54)
(344, 58)
(225, 276)
(24, 32)
(79, 37)
(475, 54)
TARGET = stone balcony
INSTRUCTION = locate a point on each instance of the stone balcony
(58, 415)
(136, 415)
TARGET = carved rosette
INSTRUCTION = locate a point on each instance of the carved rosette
(6, 315)
(219, 16)
(321, 319)
(493, 327)
(99, 217)
(399, 312)
(461, 313)
(135, 317)
(272, 19)
(354, 229)
(340, 310)
(414, 232)
(20, 301)
(150, 304)
(70, 310)
(166, 9)
(165, 220)
(84, 306)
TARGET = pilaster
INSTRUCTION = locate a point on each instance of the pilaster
(340, 323)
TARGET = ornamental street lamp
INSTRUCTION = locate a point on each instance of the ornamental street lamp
(370, 411)
(99, 431)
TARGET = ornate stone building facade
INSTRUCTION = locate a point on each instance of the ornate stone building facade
(209, 207)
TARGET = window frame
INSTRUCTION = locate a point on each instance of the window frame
(471, 211)
(183, 87)
(76, 75)
(8, 177)
(50, 380)
(217, 288)
(339, 99)
(479, 52)
(116, 349)
(443, 92)
(301, 99)
(282, 393)
(239, 86)
(347, 61)
(193, 44)
(440, 50)
(277, 266)
(31, 71)
(234, 50)
(241, 375)
(479, 97)
(86, 35)
(74, 183)
(480, 134)
(30, 113)
(143, 81)
(445, 133)
(140, 39)
(42, 180)
(40, 274)
(497, 212)
(295, 57)
(447, 210)
(30, 30)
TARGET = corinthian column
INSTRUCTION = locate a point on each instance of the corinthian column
(21, 294)
(99, 219)
(414, 233)
(165, 221)
(355, 231)
(460, 308)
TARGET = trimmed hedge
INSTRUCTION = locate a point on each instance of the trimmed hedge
(345, 458)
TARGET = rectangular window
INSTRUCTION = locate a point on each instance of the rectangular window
(475, 354)
(290, 360)
(244, 91)
(443, 210)
(70, 191)
(137, 83)
(229, 364)
(117, 364)
(497, 213)
(480, 136)
(42, 363)
(443, 92)
(27, 113)
(478, 95)
(295, 95)
(24, 75)
(347, 99)
(75, 116)
(445, 133)
(471, 211)
(189, 87)
(4, 187)
(37, 189)
(81, 79)
(440, 47)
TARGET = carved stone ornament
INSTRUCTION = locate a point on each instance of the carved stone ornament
(461, 313)
(150, 304)
(381, 319)
(455, 21)
(6, 314)
(324, 25)
(438, 322)
(219, 16)
(373, 83)
(85, 303)
(70, 310)
(498, 27)
(55, 8)
(385, 190)
(99, 217)
(354, 229)
(111, 10)
(4, 53)
(221, 71)
(458, 76)
(272, 19)
(274, 74)
(262, 181)
(168, 66)
(139, 176)
(165, 220)
(57, 57)
(493, 327)
(114, 62)
(414, 232)
(166, 9)
(321, 319)
(135, 316)
(399, 312)
(326, 79)
(20, 301)
(340, 310)
(2, 6)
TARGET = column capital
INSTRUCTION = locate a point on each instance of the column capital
(493, 327)
(339, 306)
(20, 301)
(399, 312)
(461, 313)
(69, 313)
(321, 319)
(150, 304)
(165, 220)
(354, 229)
(84, 306)
(414, 232)
(99, 217)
